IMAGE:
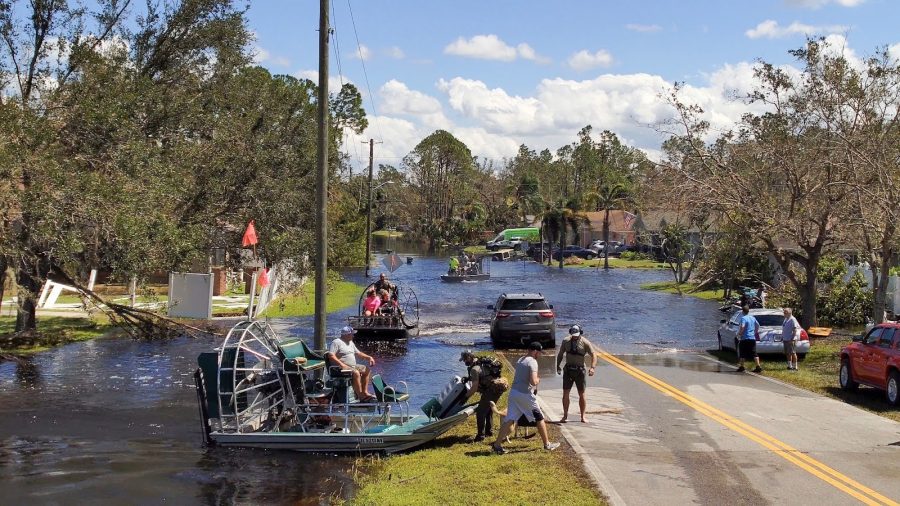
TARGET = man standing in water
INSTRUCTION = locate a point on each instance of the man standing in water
(749, 334)
(523, 400)
(575, 349)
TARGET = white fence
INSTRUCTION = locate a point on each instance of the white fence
(892, 297)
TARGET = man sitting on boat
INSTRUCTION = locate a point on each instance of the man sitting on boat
(384, 284)
(342, 353)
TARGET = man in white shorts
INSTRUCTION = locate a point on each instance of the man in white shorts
(342, 353)
(522, 400)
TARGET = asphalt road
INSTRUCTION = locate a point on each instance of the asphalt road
(680, 428)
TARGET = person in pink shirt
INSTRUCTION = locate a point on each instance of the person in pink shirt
(371, 303)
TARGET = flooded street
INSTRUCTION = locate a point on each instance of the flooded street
(116, 420)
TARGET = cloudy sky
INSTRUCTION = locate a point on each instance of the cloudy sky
(497, 74)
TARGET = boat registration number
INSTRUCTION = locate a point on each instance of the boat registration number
(371, 440)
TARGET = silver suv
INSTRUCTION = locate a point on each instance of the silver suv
(520, 318)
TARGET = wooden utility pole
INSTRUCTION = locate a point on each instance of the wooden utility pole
(369, 205)
(322, 180)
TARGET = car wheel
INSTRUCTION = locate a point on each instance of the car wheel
(846, 377)
(590, 257)
(893, 388)
(801, 357)
(719, 336)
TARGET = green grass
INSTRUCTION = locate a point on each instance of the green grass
(454, 470)
(52, 331)
(342, 294)
(477, 250)
(618, 263)
(819, 373)
(387, 233)
(686, 289)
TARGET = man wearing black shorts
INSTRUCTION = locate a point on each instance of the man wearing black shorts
(575, 349)
(749, 334)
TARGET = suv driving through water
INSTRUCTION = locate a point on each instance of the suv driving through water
(521, 318)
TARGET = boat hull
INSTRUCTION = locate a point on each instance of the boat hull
(381, 333)
(468, 277)
(314, 442)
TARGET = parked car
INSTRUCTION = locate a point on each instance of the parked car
(572, 250)
(873, 359)
(520, 318)
(597, 246)
(770, 321)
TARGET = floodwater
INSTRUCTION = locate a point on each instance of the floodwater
(116, 420)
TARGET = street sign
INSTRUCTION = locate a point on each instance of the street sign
(392, 262)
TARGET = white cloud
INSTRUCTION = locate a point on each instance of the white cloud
(263, 57)
(362, 53)
(585, 60)
(770, 29)
(396, 53)
(398, 99)
(635, 27)
(815, 4)
(334, 81)
(491, 47)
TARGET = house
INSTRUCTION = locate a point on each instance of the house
(620, 227)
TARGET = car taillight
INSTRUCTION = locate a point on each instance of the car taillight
(803, 335)
(546, 314)
(503, 315)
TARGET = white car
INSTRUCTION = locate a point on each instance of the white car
(770, 321)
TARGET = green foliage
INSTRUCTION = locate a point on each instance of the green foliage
(634, 255)
(831, 269)
(838, 303)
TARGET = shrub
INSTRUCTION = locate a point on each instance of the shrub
(634, 255)
(840, 303)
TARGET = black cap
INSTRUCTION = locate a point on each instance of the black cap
(535, 346)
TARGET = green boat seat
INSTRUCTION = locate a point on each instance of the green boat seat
(387, 393)
(298, 349)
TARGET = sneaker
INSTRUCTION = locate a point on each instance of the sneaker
(757, 369)
(741, 369)
(479, 438)
(551, 446)
(499, 450)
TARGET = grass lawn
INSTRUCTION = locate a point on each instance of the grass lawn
(819, 373)
(342, 294)
(454, 470)
(387, 233)
(618, 263)
(686, 289)
(477, 250)
(52, 331)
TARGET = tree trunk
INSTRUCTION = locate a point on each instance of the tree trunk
(880, 281)
(606, 240)
(562, 241)
(28, 287)
(3, 266)
(808, 295)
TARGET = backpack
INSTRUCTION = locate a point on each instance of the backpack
(491, 368)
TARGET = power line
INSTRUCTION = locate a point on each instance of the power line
(365, 74)
(337, 57)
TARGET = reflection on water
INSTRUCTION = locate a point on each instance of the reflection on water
(116, 420)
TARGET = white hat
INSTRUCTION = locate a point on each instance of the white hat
(347, 330)
(575, 330)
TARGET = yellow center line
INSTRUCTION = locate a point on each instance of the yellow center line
(792, 455)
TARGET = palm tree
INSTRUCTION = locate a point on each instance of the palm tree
(610, 196)
(556, 220)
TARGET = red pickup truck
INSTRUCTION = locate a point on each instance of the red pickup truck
(873, 359)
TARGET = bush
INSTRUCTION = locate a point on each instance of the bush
(634, 255)
(840, 303)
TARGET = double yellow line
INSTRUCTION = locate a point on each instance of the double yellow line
(783, 450)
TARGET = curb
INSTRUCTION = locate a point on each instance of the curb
(603, 484)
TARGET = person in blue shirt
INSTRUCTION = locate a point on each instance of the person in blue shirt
(748, 334)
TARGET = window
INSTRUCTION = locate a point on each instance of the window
(524, 305)
(770, 320)
(886, 338)
(873, 336)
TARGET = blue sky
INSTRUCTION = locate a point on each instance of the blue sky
(501, 73)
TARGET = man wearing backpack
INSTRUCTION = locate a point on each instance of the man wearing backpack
(575, 350)
(481, 375)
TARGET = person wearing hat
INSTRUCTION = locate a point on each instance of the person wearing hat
(484, 419)
(343, 353)
(575, 349)
(522, 400)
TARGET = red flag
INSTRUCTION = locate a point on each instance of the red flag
(263, 279)
(249, 236)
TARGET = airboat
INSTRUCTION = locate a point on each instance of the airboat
(392, 322)
(258, 390)
(479, 270)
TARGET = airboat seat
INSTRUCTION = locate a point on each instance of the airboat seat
(209, 365)
(292, 350)
(387, 393)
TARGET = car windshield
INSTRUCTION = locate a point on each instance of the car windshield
(524, 305)
(770, 320)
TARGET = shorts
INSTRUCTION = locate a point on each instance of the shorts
(359, 367)
(747, 348)
(521, 404)
(574, 375)
(790, 346)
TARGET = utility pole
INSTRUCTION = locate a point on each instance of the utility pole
(322, 180)
(369, 206)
